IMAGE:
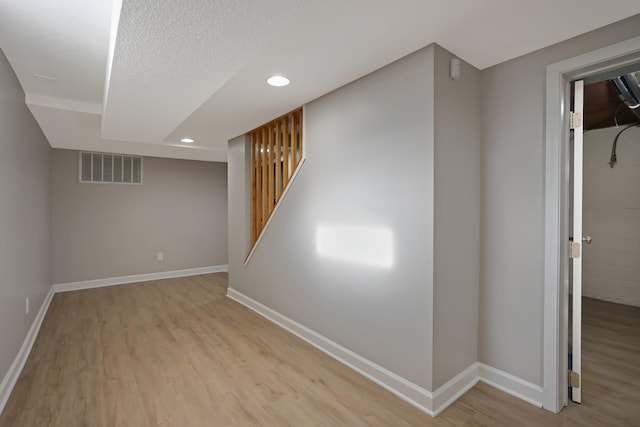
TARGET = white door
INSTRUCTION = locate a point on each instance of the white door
(575, 375)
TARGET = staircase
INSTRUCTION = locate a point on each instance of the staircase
(276, 152)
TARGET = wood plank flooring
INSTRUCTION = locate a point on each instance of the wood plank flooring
(611, 360)
(176, 352)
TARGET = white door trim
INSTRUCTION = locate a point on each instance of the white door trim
(556, 206)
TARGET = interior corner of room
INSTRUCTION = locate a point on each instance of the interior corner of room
(414, 223)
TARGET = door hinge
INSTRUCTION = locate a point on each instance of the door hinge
(574, 379)
(574, 250)
(575, 120)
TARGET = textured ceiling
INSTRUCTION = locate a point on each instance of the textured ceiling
(198, 67)
(66, 39)
(171, 56)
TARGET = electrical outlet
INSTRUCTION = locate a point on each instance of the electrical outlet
(26, 306)
(160, 256)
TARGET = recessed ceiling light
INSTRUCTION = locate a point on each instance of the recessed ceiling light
(278, 81)
(187, 140)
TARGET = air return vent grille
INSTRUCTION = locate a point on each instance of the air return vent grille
(102, 168)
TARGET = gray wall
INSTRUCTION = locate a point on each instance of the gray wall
(457, 219)
(111, 230)
(513, 108)
(25, 199)
(611, 207)
(239, 205)
(369, 150)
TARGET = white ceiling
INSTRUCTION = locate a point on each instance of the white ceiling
(136, 76)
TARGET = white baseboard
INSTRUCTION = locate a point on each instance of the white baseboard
(406, 390)
(517, 387)
(98, 283)
(12, 375)
(448, 393)
(432, 403)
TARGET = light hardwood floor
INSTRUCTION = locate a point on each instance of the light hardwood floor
(176, 352)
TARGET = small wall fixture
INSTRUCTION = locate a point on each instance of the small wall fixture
(187, 140)
(278, 81)
(454, 68)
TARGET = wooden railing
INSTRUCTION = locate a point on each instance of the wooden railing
(276, 151)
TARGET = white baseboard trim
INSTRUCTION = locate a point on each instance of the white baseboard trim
(406, 390)
(448, 393)
(12, 375)
(111, 281)
(433, 403)
(517, 387)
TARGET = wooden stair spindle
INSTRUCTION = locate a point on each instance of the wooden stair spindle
(276, 152)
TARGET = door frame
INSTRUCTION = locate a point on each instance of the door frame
(556, 210)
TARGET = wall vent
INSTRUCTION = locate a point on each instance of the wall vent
(102, 168)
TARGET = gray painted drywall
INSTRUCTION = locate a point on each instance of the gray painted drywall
(457, 219)
(25, 203)
(239, 205)
(512, 113)
(110, 230)
(611, 207)
(369, 162)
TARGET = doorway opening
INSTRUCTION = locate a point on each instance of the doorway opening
(558, 207)
(604, 278)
